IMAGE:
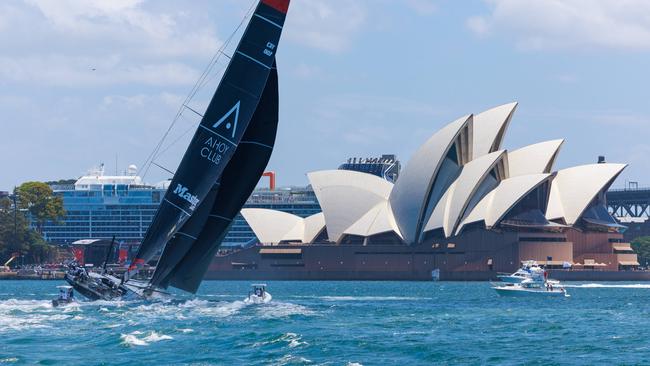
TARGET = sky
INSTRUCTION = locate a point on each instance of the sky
(84, 82)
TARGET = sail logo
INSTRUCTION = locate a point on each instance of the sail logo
(184, 193)
(269, 49)
(231, 127)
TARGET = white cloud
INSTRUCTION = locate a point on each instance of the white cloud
(372, 120)
(422, 7)
(60, 70)
(128, 22)
(328, 25)
(552, 24)
(624, 120)
(60, 42)
(143, 100)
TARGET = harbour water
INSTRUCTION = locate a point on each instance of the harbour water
(330, 323)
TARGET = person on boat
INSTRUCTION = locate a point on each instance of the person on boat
(65, 294)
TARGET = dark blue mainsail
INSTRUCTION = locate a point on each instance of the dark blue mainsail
(236, 185)
(216, 140)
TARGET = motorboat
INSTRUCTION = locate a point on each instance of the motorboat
(530, 287)
(529, 269)
(258, 294)
(66, 296)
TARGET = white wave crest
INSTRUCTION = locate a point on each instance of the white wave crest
(291, 360)
(18, 315)
(221, 309)
(132, 339)
(275, 310)
(156, 337)
(292, 340)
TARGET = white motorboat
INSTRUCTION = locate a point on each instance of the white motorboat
(258, 294)
(530, 287)
(529, 269)
(66, 296)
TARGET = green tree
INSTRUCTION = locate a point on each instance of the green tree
(17, 238)
(61, 182)
(641, 246)
(38, 199)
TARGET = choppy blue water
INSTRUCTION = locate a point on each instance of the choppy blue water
(330, 323)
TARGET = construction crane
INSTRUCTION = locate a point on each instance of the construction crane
(6, 265)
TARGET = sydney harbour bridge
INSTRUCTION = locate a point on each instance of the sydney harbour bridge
(630, 202)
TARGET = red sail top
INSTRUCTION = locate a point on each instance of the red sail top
(279, 5)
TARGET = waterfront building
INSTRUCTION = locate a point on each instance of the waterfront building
(463, 206)
(386, 166)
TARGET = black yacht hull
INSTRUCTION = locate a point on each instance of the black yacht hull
(96, 286)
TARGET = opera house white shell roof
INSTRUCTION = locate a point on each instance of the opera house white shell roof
(272, 226)
(346, 196)
(461, 175)
(573, 189)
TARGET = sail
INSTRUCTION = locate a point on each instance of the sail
(221, 128)
(183, 240)
(237, 183)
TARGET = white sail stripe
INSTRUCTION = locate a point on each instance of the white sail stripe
(254, 60)
(187, 213)
(220, 217)
(207, 129)
(188, 235)
(268, 20)
(256, 143)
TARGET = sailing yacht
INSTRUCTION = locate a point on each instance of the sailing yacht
(220, 168)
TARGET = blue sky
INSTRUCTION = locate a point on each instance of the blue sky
(82, 81)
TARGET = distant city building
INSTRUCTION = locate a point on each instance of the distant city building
(387, 166)
(99, 206)
(4, 194)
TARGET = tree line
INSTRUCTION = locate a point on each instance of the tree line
(21, 225)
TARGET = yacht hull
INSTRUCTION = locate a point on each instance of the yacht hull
(522, 292)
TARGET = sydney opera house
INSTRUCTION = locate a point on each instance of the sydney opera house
(462, 205)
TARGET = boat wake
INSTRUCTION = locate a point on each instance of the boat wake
(17, 315)
(606, 285)
(218, 309)
(126, 316)
(278, 310)
(370, 298)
